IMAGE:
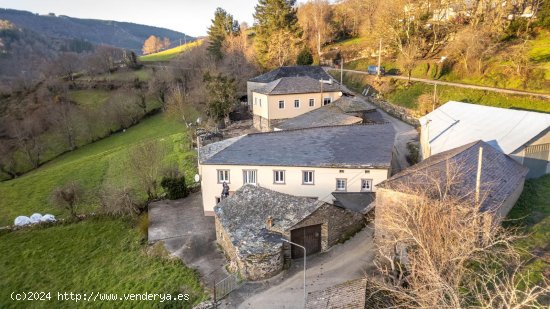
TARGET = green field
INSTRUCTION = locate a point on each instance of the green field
(98, 255)
(93, 98)
(92, 165)
(168, 54)
(533, 213)
(407, 95)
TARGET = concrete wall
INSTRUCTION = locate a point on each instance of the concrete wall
(270, 112)
(324, 181)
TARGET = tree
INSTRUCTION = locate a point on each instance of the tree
(408, 58)
(121, 201)
(145, 163)
(274, 19)
(223, 25)
(151, 45)
(221, 95)
(68, 196)
(304, 57)
(314, 18)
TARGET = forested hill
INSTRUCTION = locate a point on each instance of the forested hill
(118, 34)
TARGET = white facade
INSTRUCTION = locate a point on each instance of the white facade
(324, 182)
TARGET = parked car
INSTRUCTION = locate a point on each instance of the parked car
(373, 70)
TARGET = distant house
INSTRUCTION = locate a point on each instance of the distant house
(345, 110)
(312, 162)
(501, 181)
(288, 92)
(523, 135)
(251, 224)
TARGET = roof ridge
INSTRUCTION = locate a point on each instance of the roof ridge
(321, 127)
(411, 169)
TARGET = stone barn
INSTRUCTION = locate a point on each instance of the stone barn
(251, 224)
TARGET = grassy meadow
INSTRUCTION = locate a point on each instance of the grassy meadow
(532, 215)
(168, 54)
(99, 255)
(93, 166)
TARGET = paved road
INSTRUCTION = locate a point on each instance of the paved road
(343, 262)
(431, 81)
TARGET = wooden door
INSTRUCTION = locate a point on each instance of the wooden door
(309, 237)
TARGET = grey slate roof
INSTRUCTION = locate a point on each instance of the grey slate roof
(350, 294)
(244, 216)
(211, 149)
(315, 72)
(361, 202)
(297, 84)
(327, 115)
(354, 146)
(353, 104)
(500, 174)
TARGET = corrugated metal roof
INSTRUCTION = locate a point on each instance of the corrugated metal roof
(456, 123)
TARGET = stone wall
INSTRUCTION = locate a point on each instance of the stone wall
(265, 125)
(336, 224)
(252, 267)
(399, 112)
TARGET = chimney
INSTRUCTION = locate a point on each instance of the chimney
(269, 222)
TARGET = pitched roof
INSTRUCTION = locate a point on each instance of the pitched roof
(457, 123)
(244, 216)
(315, 72)
(331, 114)
(355, 146)
(361, 202)
(297, 84)
(500, 174)
(327, 115)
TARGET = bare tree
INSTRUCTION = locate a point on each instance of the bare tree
(146, 162)
(68, 196)
(120, 201)
(438, 249)
(314, 18)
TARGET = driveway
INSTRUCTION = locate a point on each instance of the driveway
(343, 262)
(404, 133)
(187, 233)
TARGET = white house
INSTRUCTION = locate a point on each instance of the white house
(312, 162)
(523, 135)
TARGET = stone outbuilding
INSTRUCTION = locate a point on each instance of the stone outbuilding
(455, 170)
(251, 224)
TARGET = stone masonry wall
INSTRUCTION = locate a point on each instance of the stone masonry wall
(253, 266)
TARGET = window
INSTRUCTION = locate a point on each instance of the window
(249, 176)
(311, 102)
(218, 200)
(325, 101)
(366, 185)
(307, 177)
(281, 104)
(341, 184)
(223, 176)
(297, 103)
(255, 101)
(279, 177)
(260, 100)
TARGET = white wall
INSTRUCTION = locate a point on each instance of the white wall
(270, 104)
(324, 181)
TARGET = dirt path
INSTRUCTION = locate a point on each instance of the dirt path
(431, 81)
(341, 263)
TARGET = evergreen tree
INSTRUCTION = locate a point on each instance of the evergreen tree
(271, 17)
(223, 25)
(222, 95)
(304, 57)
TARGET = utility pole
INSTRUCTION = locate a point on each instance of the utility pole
(341, 70)
(303, 248)
(478, 176)
(379, 59)
(435, 97)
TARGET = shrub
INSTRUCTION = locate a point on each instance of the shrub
(68, 196)
(175, 187)
(120, 201)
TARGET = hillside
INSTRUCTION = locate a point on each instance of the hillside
(168, 54)
(118, 34)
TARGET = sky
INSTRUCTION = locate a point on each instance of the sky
(191, 17)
